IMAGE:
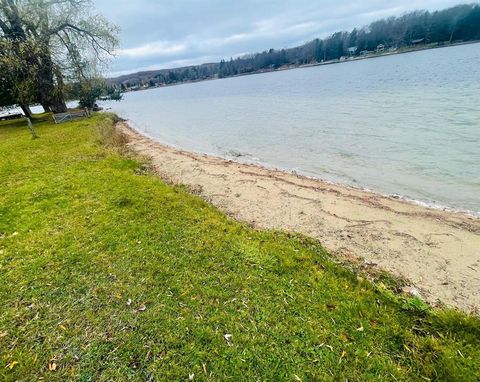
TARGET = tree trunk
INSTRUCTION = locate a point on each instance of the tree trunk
(58, 106)
(51, 97)
(46, 107)
(26, 110)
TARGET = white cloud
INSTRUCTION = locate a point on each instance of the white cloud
(157, 48)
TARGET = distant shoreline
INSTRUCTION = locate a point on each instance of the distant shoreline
(310, 65)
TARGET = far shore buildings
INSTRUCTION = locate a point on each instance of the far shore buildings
(352, 50)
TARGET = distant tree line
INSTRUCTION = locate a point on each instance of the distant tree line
(457, 24)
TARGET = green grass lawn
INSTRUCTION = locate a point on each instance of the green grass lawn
(109, 274)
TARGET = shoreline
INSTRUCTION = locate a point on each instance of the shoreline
(431, 205)
(437, 251)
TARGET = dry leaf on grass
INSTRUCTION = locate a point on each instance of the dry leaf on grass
(228, 338)
(52, 366)
(11, 365)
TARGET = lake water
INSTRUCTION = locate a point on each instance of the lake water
(406, 124)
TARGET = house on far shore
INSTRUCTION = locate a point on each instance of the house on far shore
(380, 48)
(352, 50)
(364, 52)
(418, 41)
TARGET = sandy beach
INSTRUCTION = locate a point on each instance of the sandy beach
(437, 252)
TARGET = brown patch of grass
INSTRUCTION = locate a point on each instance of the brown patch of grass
(110, 136)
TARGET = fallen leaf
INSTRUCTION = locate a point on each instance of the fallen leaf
(62, 327)
(3, 334)
(342, 356)
(191, 376)
(412, 291)
(129, 302)
(142, 308)
(297, 378)
(11, 365)
(360, 329)
(52, 366)
(228, 338)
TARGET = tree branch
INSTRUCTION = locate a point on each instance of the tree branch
(73, 54)
(66, 26)
(4, 26)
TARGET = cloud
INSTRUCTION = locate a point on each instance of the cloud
(158, 48)
(161, 34)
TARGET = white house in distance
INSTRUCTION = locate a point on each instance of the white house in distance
(352, 50)
(380, 48)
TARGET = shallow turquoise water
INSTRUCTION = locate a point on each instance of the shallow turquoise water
(406, 124)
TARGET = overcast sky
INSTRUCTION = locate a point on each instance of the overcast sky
(170, 33)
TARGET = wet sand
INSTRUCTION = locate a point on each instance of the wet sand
(437, 252)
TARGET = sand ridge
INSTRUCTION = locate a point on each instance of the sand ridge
(437, 251)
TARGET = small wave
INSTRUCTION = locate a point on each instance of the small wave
(236, 154)
(433, 205)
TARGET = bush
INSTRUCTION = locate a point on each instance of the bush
(89, 91)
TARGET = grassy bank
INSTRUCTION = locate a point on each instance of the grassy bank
(108, 274)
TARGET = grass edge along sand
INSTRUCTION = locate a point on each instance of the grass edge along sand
(110, 274)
